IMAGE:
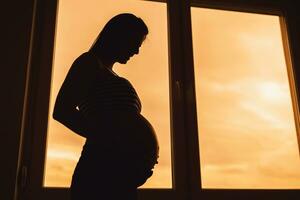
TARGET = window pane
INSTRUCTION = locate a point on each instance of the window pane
(246, 126)
(78, 24)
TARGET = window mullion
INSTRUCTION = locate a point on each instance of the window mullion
(184, 136)
(190, 110)
(289, 29)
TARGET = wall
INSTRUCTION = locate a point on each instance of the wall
(15, 45)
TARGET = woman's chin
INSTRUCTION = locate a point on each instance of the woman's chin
(123, 60)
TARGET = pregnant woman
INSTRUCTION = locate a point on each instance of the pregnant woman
(121, 148)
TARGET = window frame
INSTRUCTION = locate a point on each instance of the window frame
(185, 148)
(278, 8)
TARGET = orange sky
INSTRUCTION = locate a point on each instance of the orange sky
(245, 118)
(243, 101)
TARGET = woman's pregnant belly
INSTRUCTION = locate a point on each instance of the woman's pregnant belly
(128, 134)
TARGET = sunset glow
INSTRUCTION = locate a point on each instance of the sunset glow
(246, 126)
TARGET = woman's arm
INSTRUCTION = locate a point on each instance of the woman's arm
(74, 88)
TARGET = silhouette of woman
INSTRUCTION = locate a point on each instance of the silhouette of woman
(121, 147)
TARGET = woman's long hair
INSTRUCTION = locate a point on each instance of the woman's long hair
(120, 28)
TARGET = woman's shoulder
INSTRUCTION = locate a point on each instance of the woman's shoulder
(86, 58)
(88, 62)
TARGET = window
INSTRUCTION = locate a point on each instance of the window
(148, 72)
(246, 125)
(183, 86)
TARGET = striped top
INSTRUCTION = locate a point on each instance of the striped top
(110, 94)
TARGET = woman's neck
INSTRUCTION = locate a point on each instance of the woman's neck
(106, 59)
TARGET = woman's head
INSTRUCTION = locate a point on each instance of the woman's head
(121, 37)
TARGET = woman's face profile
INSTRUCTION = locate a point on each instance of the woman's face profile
(128, 48)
